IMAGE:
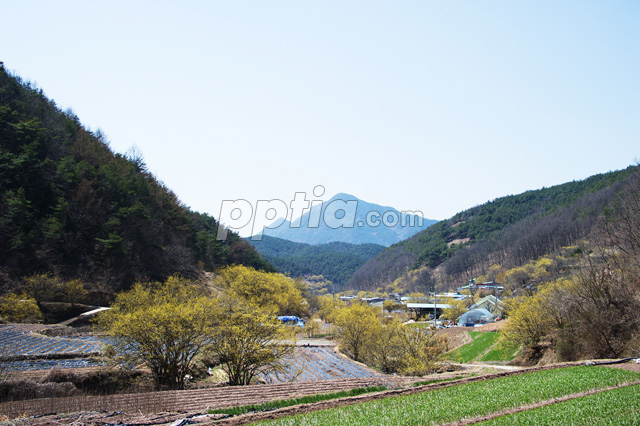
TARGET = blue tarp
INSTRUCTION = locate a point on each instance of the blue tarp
(291, 320)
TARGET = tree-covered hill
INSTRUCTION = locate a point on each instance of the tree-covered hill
(335, 261)
(507, 231)
(72, 207)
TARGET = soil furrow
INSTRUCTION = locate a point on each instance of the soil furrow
(186, 400)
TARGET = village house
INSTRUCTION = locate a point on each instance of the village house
(491, 304)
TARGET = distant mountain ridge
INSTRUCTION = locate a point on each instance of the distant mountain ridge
(346, 218)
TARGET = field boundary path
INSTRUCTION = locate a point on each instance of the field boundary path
(495, 366)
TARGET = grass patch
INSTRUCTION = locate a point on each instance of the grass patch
(474, 334)
(619, 406)
(480, 344)
(470, 400)
(501, 351)
(272, 405)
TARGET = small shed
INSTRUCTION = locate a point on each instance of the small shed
(427, 309)
(373, 300)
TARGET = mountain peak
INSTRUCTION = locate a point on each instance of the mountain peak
(340, 220)
(344, 196)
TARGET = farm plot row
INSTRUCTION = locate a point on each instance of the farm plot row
(319, 363)
(48, 364)
(16, 342)
(618, 406)
(187, 400)
(474, 399)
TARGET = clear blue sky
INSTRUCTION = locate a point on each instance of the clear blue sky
(422, 105)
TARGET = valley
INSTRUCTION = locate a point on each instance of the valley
(130, 292)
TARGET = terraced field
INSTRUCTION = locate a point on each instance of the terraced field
(472, 401)
(22, 349)
(187, 400)
(320, 363)
(48, 364)
(17, 342)
(617, 406)
(551, 395)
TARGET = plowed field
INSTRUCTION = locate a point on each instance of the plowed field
(320, 363)
(181, 401)
(19, 342)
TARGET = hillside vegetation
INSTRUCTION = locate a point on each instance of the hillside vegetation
(72, 207)
(569, 267)
(508, 231)
(334, 261)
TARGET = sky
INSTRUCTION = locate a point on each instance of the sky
(424, 105)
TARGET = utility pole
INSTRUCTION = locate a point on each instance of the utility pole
(435, 303)
(333, 293)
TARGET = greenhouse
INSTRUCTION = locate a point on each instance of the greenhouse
(475, 316)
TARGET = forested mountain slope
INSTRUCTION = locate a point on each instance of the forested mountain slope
(335, 261)
(509, 231)
(72, 207)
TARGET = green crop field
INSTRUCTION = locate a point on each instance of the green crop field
(468, 400)
(619, 406)
(480, 344)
